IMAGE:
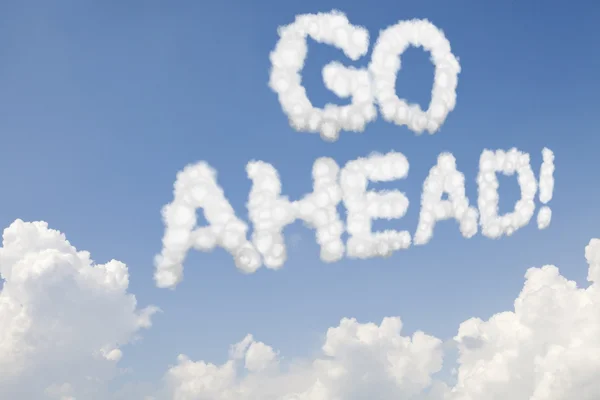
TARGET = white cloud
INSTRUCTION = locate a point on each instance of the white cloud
(546, 188)
(287, 60)
(547, 348)
(544, 217)
(357, 361)
(64, 321)
(364, 86)
(62, 318)
(196, 188)
(444, 177)
(363, 206)
(270, 212)
(506, 162)
(547, 176)
(385, 64)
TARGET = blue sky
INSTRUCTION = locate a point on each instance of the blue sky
(101, 103)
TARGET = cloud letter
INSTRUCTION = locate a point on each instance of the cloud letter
(270, 212)
(287, 61)
(364, 206)
(196, 188)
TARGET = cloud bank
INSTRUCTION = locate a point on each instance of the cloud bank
(64, 320)
(546, 348)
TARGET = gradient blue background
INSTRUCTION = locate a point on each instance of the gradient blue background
(102, 102)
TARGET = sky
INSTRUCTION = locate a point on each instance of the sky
(102, 103)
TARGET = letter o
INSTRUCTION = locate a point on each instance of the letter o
(385, 64)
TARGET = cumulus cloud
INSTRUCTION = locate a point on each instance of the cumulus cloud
(357, 361)
(546, 348)
(363, 206)
(508, 163)
(385, 64)
(445, 178)
(364, 86)
(63, 318)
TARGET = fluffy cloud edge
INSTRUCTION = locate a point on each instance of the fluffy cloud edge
(64, 318)
(546, 348)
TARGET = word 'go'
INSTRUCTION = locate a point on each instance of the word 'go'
(365, 86)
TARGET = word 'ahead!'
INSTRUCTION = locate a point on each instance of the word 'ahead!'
(365, 86)
(196, 188)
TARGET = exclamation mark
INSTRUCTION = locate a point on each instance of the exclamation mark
(546, 188)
